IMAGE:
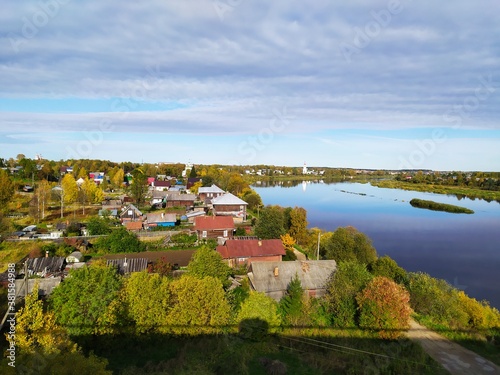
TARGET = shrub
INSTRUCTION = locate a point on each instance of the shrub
(387, 267)
(384, 306)
(349, 279)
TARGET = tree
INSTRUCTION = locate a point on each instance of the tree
(292, 303)
(148, 298)
(91, 192)
(252, 198)
(199, 306)
(6, 188)
(139, 186)
(270, 224)
(384, 306)
(258, 307)
(120, 241)
(192, 173)
(385, 266)
(37, 331)
(298, 225)
(118, 178)
(236, 184)
(208, 262)
(82, 303)
(70, 188)
(196, 186)
(349, 279)
(43, 192)
(348, 244)
(98, 226)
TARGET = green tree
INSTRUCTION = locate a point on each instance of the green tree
(349, 279)
(348, 244)
(148, 299)
(139, 186)
(98, 226)
(292, 303)
(252, 198)
(208, 262)
(37, 331)
(120, 241)
(258, 306)
(384, 306)
(199, 306)
(6, 189)
(270, 223)
(70, 188)
(298, 225)
(83, 302)
(386, 266)
(192, 173)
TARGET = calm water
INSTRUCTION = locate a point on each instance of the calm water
(462, 249)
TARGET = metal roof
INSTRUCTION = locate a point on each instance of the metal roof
(210, 189)
(313, 274)
(228, 199)
(126, 265)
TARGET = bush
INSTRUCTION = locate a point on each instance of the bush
(387, 267)
(120, 241)
(384, 306)
(349, 279)
(348, 244)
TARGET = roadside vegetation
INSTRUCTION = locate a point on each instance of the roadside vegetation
(436, 206)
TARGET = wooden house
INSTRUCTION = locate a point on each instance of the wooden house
(214, 226)
(273, 278)
(237, 252)
(230, 205)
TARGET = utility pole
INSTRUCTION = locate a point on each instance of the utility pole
(319, 236)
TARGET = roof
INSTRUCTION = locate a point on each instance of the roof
(160, 193)
(213, 222)
(133, 225)
(210, 189)
(250, 248)
(195, 213)
(228, 199)
(181, 197)
(131, 207)
(75, 254)
(158, 183)
(46, 264)
(160, 217)
(313, 274)
(125, 265)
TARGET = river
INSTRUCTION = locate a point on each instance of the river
(462, 249)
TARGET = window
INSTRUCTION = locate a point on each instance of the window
(204, 234)
(225, 233)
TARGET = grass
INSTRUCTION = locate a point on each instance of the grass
(435, 206)
(13, 252)
(459, 191)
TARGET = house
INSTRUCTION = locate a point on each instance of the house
(45, 266)
(230, 205)
(130, 213)
(106, 212)
(160, 219)
(160, 185)
(159, 197)
(97, 177)
(133, 226)
(214, 226)
(125, 265)
(112, 204)
(272, 278)
(180, 200)
(237, 252)
(206, 194)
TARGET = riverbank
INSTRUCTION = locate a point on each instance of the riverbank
(436, 206)
(459, 191)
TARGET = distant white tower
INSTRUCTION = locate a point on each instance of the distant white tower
(304, 169)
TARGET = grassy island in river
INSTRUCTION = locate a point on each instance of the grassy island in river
(435, 206)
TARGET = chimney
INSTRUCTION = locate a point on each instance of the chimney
(47, 254)
(276, 272)
(260, 243)
(162, 214)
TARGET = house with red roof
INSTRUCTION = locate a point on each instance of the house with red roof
(238, 252)
(214, 226)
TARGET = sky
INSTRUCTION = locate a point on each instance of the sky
(391, 84)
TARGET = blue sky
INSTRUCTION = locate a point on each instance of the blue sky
(365, 84)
